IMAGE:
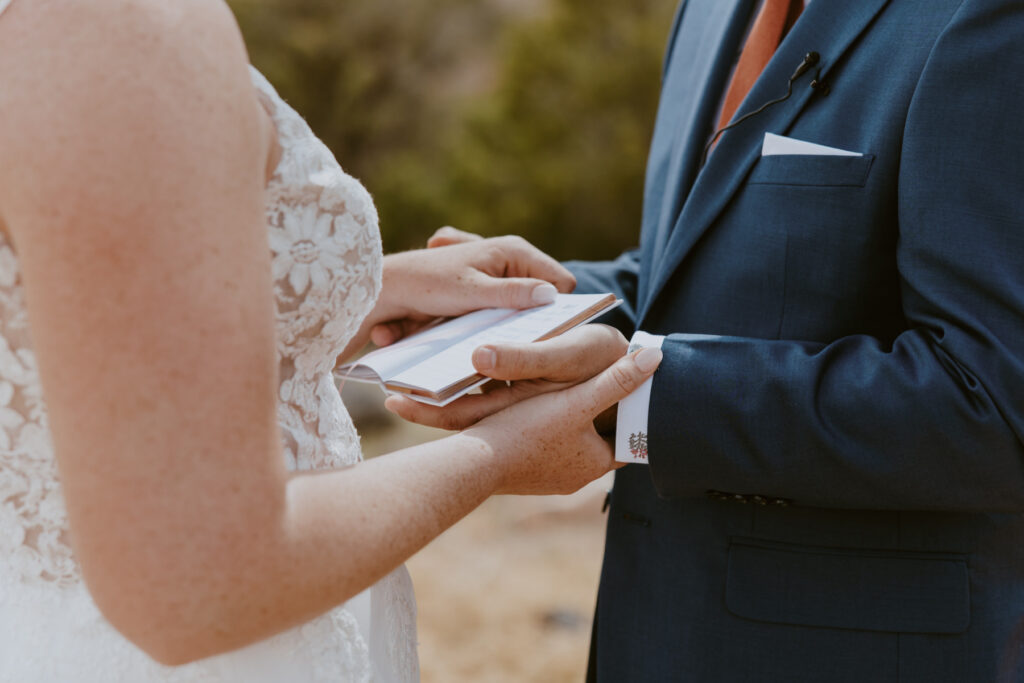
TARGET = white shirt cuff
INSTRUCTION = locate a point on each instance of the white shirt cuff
(631, 426)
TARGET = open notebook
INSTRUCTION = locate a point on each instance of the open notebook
(435, 366)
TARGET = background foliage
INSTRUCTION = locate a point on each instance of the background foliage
(496, 116)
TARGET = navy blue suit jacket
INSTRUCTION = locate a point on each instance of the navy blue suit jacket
(836, 480)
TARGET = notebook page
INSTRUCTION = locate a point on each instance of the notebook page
(455, 363)
(390, 361)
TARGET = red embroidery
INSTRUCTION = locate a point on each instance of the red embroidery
(638, 445)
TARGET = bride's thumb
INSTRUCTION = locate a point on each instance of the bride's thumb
(515, 292)
(621, 379)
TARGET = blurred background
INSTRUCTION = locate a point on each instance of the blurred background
(528, 117)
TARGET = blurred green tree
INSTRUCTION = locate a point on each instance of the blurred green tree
(498, 117)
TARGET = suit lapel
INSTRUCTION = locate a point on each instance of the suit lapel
(828, 27)
(702, 55)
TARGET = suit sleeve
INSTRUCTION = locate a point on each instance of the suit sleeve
(620, 277)
(935, 420)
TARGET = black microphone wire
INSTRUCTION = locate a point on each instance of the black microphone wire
(810, 60)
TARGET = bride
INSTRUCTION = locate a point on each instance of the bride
(181, 266)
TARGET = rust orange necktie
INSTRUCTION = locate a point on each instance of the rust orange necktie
(771, 26)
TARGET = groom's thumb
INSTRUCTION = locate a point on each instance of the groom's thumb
(621, 379)
(516, 292)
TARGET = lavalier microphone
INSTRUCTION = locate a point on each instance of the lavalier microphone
(811, 59)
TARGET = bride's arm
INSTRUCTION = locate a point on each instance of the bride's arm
(132, 183)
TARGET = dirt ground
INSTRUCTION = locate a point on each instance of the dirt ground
(507, 594)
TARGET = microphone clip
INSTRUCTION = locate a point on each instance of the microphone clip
(820, 85)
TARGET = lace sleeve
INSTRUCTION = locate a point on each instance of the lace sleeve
(34, 521)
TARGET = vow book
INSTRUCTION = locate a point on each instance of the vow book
(435, 366)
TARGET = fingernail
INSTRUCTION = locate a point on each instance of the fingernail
(485, 358)
(648, 359)
(544, 294)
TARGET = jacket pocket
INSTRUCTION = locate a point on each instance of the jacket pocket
(892, 591)
(812, 170)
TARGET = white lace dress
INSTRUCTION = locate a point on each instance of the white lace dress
(322, 229)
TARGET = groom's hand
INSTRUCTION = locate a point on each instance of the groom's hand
(469, 274)
(523, 371)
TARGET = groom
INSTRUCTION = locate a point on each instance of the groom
(835, 484)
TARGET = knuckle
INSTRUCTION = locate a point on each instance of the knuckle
(442, 236)
(598, 347)
(622, 379)
(495, 251)
(512, 362)
(616, 338)
(609, 337)
(510, 292)
(514, 244)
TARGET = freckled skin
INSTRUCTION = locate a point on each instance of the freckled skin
(138, 180)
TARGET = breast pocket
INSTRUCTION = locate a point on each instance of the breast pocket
(812, 170)
(838, 216)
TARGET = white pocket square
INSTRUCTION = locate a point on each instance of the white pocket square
(779, 145)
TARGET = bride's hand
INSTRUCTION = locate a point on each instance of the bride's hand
(502, 272)
(447, 236)
(548, 444)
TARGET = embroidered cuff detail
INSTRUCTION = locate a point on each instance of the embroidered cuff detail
(631, 426)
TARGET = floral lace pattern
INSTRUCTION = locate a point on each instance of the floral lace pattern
(327, 274)
(324, 240)
(32, 516)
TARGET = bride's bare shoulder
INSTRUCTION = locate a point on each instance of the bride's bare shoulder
(70, 69)
(66, 26)
(115, 41)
